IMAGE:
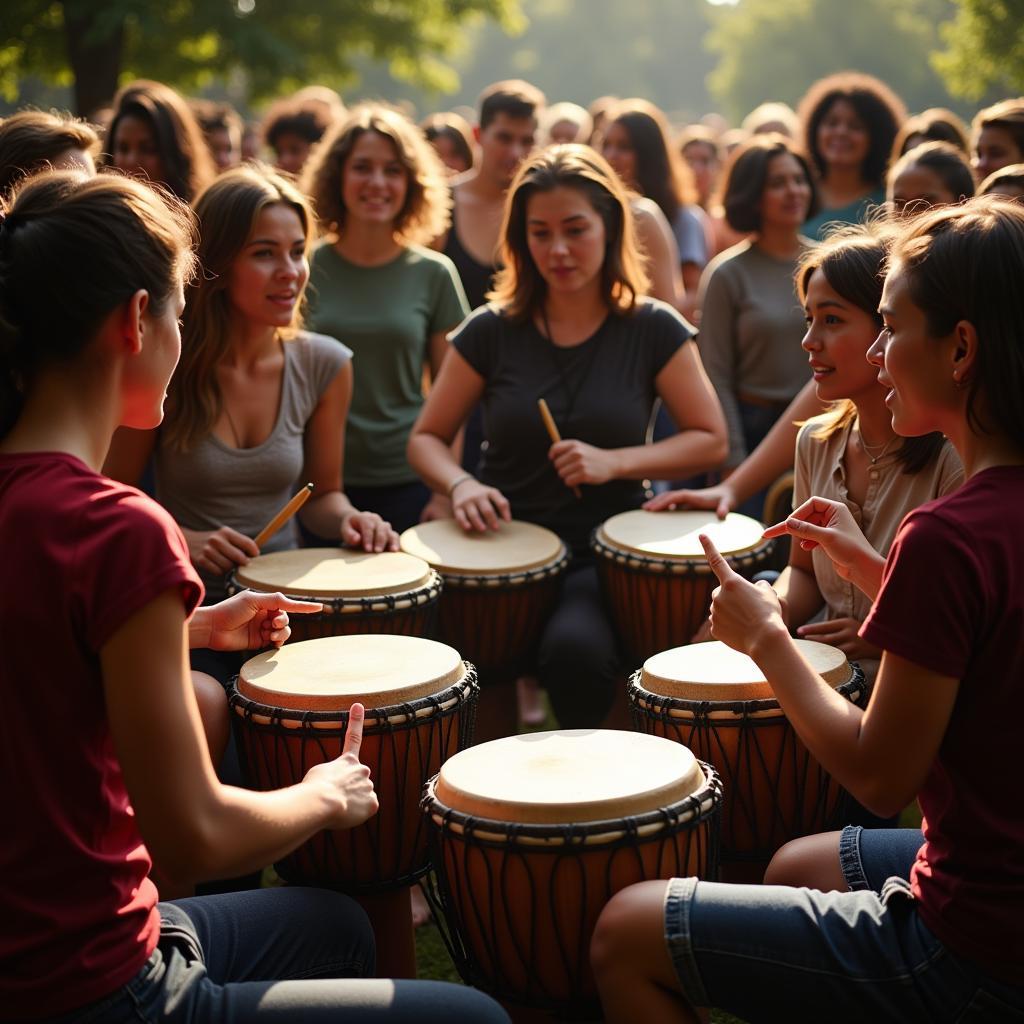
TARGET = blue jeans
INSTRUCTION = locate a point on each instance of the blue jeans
(275, 955)
(773, 953)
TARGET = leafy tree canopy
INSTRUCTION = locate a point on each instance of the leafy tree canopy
(984, 48)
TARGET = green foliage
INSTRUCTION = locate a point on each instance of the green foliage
(984, 48)
(280, 45)
(581, 49)
(774, 49)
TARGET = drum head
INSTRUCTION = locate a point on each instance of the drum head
(335, 572)
(674, 535)
(573, 775)
(515, 547)
(329, 674)
(713, 671)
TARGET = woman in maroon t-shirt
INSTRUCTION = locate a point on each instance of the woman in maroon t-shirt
(102, 756)
(873, 924)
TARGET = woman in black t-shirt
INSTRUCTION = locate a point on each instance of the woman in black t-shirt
(568, 323)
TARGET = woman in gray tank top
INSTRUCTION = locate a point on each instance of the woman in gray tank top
(257, 407)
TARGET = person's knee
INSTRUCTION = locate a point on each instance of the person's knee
(213, 712)
(811, 862)
(623, 930)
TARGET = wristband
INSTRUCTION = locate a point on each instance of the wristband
(458, 480)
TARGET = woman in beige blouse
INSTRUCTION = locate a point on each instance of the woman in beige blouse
(850, 452)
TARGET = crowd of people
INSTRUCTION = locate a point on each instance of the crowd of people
(198, 314)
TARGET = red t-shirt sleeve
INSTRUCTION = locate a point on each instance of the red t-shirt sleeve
(128, 551)
(932, 597)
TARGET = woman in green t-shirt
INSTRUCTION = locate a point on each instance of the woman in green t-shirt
(381, 195)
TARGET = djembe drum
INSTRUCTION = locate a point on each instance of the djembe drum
(533, 834)
(499, 588)
(291, 712)
(655, 577)
(717, 703)
(362, 592)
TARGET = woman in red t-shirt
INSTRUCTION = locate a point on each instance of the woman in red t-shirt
(873, 924)
(101, 739)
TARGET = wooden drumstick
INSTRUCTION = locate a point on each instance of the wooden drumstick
(283, 516)
(552, 428)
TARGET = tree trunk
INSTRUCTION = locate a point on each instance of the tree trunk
(95, 62)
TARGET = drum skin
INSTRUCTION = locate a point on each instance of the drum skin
(404, 744)
(774, 790)
(659, 593)
(494, 605)
(405, 603)
(518, 903)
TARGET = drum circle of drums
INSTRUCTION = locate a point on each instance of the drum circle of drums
(655, 576)
(362, 592)
(533, 834)
(499, 588)
(290, 712)
(717, 703)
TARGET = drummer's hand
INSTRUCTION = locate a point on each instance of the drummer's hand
(579, 463)
(703, 634)
(346, 780)
(478, 507)
(248, 621)
(742, 613)
(219, 551)
(368, 531)
(439, 507)
(721, 498)
(841, 633)
(830, 525)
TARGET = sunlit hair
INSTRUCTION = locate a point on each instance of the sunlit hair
(32, 139)
(426, 212)
(772, 118)
(966, 263)
(946, 162)
(881, 110)
(1008, 115)
(453, 127)
(179, 140)
(1007, 182)
(574, 114)
(852, 261)
(512, 97)
(661, 172)
(73, 250)
(519, 288)
(227, 212)
(937, 124)
(746, 176)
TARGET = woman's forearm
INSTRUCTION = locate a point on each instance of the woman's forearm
(691, 451)
(324, 514)
(798, 590)
(434, 461)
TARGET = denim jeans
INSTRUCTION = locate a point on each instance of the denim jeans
(275, 955)
(773, 953)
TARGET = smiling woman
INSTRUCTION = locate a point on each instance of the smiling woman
(380, 193)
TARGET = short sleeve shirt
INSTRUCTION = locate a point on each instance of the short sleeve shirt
(600, 391)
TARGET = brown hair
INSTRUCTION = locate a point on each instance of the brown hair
(519, 288)
(513, 97)
(661, 172)
(426, 212)
(72, 250)
(31, 139)
(937, 124)
(227, 212)
(179, 140)
(1008, 115)
(966, 263)
(747, 173)
(1011, 175)
(881, 110)
(852, 261)
(947, 162)
(455, 129)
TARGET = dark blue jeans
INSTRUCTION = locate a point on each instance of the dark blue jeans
(285, 955)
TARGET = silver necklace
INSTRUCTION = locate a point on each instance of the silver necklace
(869, 449)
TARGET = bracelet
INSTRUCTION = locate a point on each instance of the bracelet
(458, 480)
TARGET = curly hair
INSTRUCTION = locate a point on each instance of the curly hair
(426, 212)
(881, 110)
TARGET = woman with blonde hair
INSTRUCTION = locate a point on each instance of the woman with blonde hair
(568, 323)
(257, 405)
(381, 195)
